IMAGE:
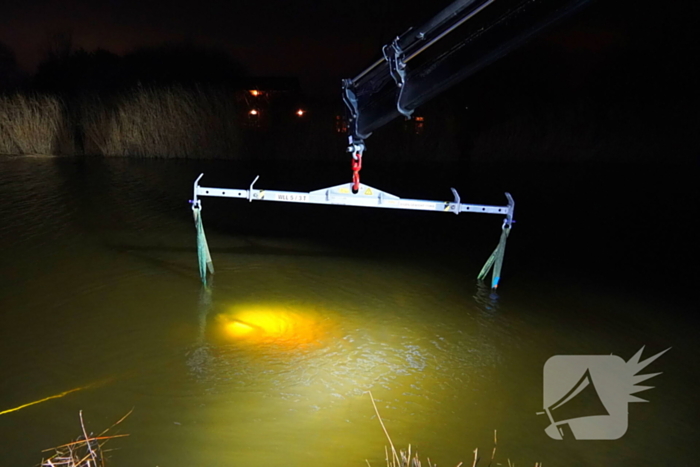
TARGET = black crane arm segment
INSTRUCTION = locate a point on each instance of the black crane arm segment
(463, 38)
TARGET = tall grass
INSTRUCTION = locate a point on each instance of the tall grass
(144, 122)
(31, 124)
(173, 122)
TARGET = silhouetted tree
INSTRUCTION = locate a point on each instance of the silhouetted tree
(9, 72)
(182, 63)
(67, 70)
(76, 71)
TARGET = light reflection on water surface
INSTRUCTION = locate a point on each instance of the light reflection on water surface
(267, 365)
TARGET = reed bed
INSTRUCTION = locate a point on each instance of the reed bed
(163, 123)
(31, 124)
(85, 451)
(173, 122)
(407, 458)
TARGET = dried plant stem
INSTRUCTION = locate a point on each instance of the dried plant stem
(75, 443)
(393, 450)
(87, 451)
(410, 459)
(88, 440)
(495, 443)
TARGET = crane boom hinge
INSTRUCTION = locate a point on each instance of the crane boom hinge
(394, 56)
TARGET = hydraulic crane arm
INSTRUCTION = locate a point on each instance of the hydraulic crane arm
(460, 40)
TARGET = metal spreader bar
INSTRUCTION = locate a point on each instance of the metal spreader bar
(341, 195)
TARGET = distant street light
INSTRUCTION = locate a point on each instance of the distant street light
(300, 113)
(253, 112)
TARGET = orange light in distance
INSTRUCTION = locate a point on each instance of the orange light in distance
(300, 113)
(254, 92)
(253, 112)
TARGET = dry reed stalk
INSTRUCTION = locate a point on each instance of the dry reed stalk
(86, 451)
(404, 458)
(171, 122)
(495, 443)
(31, 124)
(395, 457)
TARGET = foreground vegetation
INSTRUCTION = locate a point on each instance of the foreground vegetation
(405, 458)
(86, 451)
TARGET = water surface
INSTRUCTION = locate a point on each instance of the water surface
(310, 308)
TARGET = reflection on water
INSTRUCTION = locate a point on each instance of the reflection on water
(307, 366)
(270, 364)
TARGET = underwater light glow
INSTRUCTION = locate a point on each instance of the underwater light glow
(273, 323)
(238, 329)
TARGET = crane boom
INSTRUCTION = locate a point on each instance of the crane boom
(463, 38)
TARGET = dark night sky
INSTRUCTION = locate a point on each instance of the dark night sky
(310, 39)
(319, 41)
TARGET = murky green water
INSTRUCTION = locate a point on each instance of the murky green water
(310, 308)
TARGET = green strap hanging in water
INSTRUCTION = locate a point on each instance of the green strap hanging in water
(203, 255)
(495, 261)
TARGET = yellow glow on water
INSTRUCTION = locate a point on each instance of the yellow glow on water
(287, 325)
(304, 367)
(238, 329)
